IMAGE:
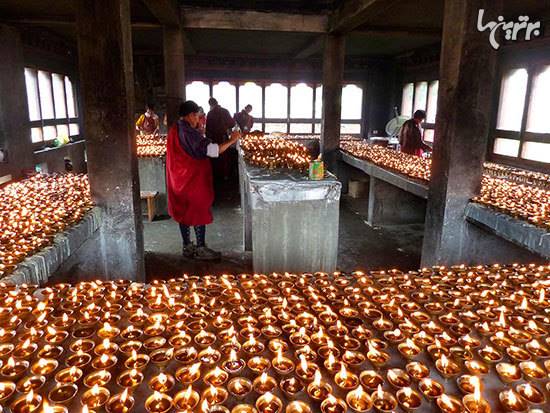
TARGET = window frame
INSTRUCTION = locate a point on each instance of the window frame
(425, 125)
(260, 122)
(67, 120)
(533, 69)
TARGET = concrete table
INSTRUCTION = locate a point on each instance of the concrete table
(519, 232)
(290, 222)
(38, 268)
(152, 178)
(393, 198)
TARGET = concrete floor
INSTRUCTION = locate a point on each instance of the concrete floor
(361, 246)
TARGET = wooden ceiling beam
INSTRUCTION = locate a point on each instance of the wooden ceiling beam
(355, 13)
(197, 18)
(309, 49)
(167, 12)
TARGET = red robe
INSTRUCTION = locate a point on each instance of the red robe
(190, 184)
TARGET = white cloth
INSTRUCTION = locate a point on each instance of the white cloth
(213, 150)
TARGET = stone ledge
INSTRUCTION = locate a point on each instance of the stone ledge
(37, 268)
(403, 182)
(519, 232)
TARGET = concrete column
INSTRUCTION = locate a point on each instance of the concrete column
(174, 71)
(333, 73)
(467, 75)
(107, 84)
(15, 135)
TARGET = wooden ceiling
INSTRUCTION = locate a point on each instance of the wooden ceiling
(383, 28)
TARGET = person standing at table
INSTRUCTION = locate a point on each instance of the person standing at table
(410, 135)
(149, 122)
(244, 119)
(218, 124)
(189, 179)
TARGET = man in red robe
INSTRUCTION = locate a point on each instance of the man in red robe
(410, 136)
(189, 179)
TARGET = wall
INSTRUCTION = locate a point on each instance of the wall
(31, 47)
(377, 75)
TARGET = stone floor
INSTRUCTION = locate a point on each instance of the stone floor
(361, 246)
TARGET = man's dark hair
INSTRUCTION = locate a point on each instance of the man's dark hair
(212, 102)
(420, 114)
(150, 106)
(188, 107)
(248, 106)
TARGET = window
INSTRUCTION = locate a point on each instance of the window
(429, 135)
(199, 92)
(46, 98)
(407, 100)
(59, 96)
(251, 94)
(512, 100)
(352, 102)
(300, 128)
(536, 151)
(350, 128)
(31, 81)
(226, 95)
(52, 105)
(506, 147)
(431, 111)
(275, 127)
(522, 133)
(318, 102)
(276, 101)
(301, 102)
(538, 120)
(420, 96)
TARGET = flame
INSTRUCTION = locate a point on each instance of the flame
(477, 388)
(104, 358)
(268, 397)
(187, 393)
(162, 378)
(379, 392)
(134, 355)
(30, 397)
(533, 325)
(133, 373)
(511, 395)
(331, 359)
(95, 390)
(446, 401)
(85, 409)
(157, 396)
(51, 331)
(124, 396)
(194, 369)
(263, 378)
(408, 392)
(72, 371)
(529, 390)
(444, 362)
(26, 343)
(343, 372)
(303, 363)
(317, 378)
(11, 362)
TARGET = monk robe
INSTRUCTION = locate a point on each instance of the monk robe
(189, 175)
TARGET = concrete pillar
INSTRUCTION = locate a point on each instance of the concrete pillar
(107, 84)
(467, 75)
(333, 73)
(174, 71)
(15, 135)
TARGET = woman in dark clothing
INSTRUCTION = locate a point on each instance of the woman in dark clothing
(189, 179)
